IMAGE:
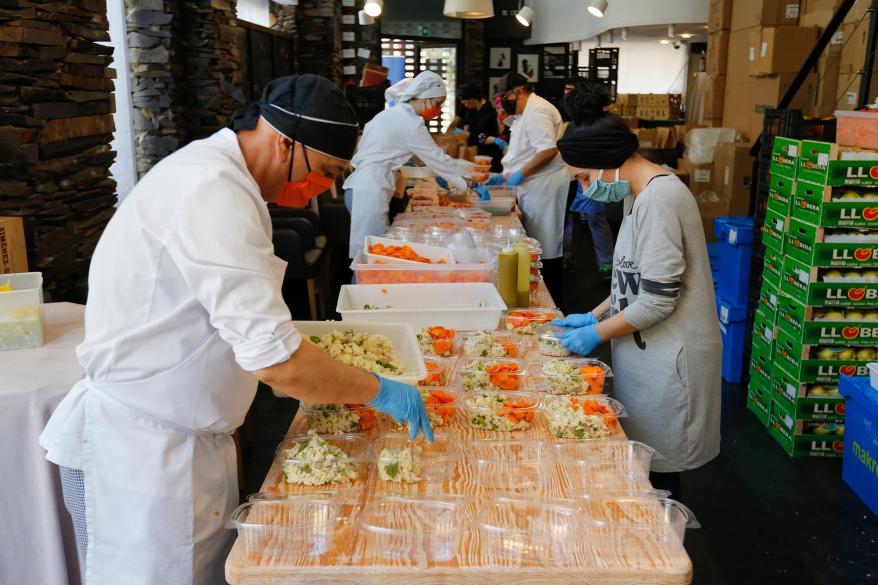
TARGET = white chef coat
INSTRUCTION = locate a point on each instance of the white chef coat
(184, 300)
(389, 140)
(543, 195)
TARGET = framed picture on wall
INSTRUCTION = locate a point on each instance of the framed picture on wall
(493, 85)
(528, 64)
(500, 58)
(555, 62)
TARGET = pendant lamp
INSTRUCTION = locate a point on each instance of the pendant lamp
(468, 8)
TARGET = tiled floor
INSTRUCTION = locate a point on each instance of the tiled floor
(766, 519)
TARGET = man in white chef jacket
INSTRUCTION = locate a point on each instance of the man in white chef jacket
(532, 164)
(184, 317)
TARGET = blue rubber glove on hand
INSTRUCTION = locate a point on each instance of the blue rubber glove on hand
(404, 404)
(515, 179)
(442, 182)
(482, 192)
(494, 181)
(500, 142)
(457, 131)
(576, 321)
(582, 340)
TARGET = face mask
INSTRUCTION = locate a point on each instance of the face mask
(299, 193)
(431, 113)
(508, 105)
(608, 192)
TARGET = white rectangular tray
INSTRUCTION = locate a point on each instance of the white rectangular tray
(452, 305)
(402, 336)
(434, 253)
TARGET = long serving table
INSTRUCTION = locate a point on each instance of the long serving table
(352, 558)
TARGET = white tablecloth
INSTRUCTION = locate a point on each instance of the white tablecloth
(39, 546)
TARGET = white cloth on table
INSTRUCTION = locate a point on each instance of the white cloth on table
(39, 543)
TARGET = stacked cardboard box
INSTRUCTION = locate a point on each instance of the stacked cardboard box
(658, 106)
(625, 105)
(719, 24)
(818, 308)
(779, 49)
(13, 252)
(851, 57)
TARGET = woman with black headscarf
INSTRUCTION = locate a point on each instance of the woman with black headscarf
(661, 313)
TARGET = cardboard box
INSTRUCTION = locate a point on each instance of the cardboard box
(772, 272)
(807, 244)
(764, 331)
(774, 230)
(13, 251)
(759, 398)
(717, 52)
(738, 67)
(746, 102)
(781, 49)
(714, 94)
(812, 327)
(819, 206)
(733, 167)
(701, 176)
(801, 282)
(750, 13)
(784, 161)
(801, 438)
(626, 99)
(769, 294)
(761, 365)
(818, 363)
(797, 398)
(719, 15)
(823, 103)
(653, 113)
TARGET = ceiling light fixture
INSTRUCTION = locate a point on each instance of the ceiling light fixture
(664, 42)
(287, 2)
(364, 19)
(373, 7)
(468, 8)
(598, 8)
(686, 35)
(526, 15)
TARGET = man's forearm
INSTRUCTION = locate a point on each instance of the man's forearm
(312, 376)
(540, 160)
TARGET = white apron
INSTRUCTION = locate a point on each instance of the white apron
(169, 435)
(543, 201)
(371, 192)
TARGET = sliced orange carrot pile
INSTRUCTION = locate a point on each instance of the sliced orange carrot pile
(439, 402)
(594, 377)
(504, 376)
(443, 340)
(509, 347)
(590, 407)
(367, 416)
(403, 252)
(517, 410)
(522, 318)
(435, 374)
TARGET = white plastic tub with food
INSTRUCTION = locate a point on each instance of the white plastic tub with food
(575, 417)
(315, 459)
(459, 306)
(380, 250)
(501, 411)
(389, 349)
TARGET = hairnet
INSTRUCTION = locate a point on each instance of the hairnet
(425, 84)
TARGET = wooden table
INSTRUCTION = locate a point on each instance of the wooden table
(353, 559)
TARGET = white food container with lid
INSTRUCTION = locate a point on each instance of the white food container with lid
(401, 336)
(21, 311)
(435, 254)
(451, 305)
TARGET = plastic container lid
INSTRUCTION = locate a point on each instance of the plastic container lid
(287, 528)
(510, 465)
(606, 465)
(429, 462)
(614, 520)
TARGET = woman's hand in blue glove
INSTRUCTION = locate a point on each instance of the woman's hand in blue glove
(442, 182)
(494, 181)
(405, 405)
(499, 142)
(515, 179)
(576, 321)
(583, 340)
(482, 192)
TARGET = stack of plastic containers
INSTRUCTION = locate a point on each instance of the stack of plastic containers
(735, 248)
(819, 303)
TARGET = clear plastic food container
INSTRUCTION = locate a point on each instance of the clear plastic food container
(490, 344)
(580, 418)
(377, 251)
(578, 376)
(438, 372)
(509, 232)
(339, 418)
(501, 374)
(510, 465)
(442, 405)
(21, 311)
(482, 160)
(501, 411)
(529, 321)
(481, 271)
(401, 460)
(499, 206)
(410, 529)
(614, 522)
(286, 528)
(599, 466)
(316, 460)
(526, 531)
(548, 344)
(437, 341)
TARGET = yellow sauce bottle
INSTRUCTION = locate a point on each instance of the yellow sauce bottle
(522, 288)
(507, 275)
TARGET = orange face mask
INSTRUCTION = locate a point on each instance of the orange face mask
(299, 193)
(432, 112)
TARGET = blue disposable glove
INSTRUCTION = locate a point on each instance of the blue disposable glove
(582, 340)
(500, 142)
(405, 405)
(515, 179)
(494, 181)
(576, 321)
(457, 131)
(482, 192)
(442, 182)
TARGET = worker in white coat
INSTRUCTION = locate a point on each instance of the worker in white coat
(389, 140)
(184, 317)
(532, 164)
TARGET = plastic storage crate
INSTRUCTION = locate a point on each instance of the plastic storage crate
(861, 438)
(736, 236)
(733, 327)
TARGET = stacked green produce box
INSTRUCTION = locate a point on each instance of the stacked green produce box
(818, 308)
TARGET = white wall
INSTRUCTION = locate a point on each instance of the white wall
(646, 66)
(255, 11)
(564, 21)
(124, 168)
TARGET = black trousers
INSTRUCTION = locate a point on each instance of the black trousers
(553, 275)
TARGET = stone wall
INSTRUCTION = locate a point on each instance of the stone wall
(474, 57)
(319, 38)
(56, 126)
(179, 52)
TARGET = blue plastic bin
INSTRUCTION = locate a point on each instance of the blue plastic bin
(860, 467)
(735, 249)
(732, 326)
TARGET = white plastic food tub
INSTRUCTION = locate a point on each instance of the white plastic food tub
(434, 253)
(452, 305)
(402, 336)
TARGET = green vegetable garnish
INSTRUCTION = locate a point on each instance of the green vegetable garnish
(306, 468)
(315, 340)
(391, 469)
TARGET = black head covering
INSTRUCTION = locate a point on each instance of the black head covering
(308, 109)
(511, 81)
(590, 147)
(470, 92)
